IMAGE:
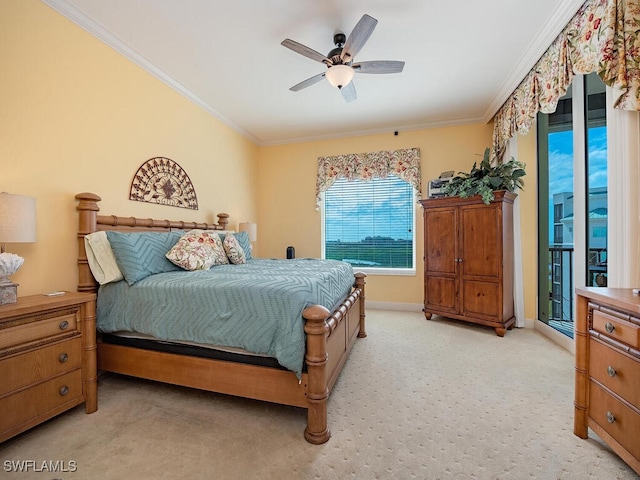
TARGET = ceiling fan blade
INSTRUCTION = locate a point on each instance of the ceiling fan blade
(358, 37)
(349, 92)
(306, 51)
(378, 66)
(308, 82)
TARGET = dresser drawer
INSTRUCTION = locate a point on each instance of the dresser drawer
(41, 400)
(617, 328)
(615, 370)
(64, 322)
(22, 370)
(617, 419)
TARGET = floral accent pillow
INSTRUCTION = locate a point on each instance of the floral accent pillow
(234, 251)
(198, 250)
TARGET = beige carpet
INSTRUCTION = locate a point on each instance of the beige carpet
(417, 399)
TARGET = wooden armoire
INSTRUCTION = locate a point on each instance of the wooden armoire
(468, 259)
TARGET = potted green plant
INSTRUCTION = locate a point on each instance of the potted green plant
(485, 179)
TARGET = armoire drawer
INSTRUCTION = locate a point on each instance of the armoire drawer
(21, 370)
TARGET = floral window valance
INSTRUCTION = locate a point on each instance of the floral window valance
(603, 37)
(366, 166)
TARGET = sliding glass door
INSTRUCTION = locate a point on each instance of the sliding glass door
(572, 148)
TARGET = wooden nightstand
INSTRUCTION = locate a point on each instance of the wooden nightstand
(47, 359)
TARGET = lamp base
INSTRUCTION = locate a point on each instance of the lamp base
(8, 291)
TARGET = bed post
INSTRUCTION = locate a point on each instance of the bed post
(87, 223)
(360, 285)
(223, 220)
(316, 356)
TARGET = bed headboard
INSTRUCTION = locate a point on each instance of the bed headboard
(89, 221)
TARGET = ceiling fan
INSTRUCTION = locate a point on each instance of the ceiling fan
(339, 61)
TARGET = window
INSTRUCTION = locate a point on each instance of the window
(557, 213)
(600, 232)
(370, 224)
(557, 234)
(572, 185)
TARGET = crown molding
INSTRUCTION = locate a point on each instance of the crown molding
(376, 131)
(563, 13)
(78, 17)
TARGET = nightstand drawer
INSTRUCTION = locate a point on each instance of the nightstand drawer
(616, 328)
(617, 419)
(22, 370)
(40, 400)
(63, 322)
(615, 370)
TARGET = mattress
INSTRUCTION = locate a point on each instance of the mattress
(193, 349)
(255, 306)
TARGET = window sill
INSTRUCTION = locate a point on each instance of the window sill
(386, 271)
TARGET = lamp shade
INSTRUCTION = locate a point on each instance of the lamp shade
(251, 229)
(17, 218)
(339, 75)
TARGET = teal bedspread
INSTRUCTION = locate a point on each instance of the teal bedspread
(256, 306)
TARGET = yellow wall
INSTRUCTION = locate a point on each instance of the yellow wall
(286, 193)
(527, 153)
(76, 116)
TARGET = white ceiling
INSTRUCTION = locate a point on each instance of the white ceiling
(463, 58)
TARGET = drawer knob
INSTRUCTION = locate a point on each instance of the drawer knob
(610, 417)
(64, 390)
(611, 371)
(609, 327)
(64, 357)
(64, 325)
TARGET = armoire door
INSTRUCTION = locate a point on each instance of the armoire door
(441, 247)
(480, 262)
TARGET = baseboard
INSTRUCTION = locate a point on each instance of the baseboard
(417, 307)
(400, 307)
(541, 327)
(555, 336)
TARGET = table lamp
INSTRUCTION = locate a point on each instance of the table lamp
(252, 231)
(17, 225)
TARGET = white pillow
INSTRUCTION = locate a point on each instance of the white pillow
(102, 261)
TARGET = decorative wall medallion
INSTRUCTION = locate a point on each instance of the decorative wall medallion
(161, 180)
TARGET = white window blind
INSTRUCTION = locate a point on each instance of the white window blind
(370, 224)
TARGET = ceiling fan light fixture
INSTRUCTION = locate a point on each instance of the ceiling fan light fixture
(339, 75)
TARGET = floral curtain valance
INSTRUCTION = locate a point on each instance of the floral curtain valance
(366, 166)
(603, 37)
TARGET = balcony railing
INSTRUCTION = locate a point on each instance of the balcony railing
(561, 283)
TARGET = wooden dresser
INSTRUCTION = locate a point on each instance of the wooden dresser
(607, 397)
(47, 359)
(468, 259)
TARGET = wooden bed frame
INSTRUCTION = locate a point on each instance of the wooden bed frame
(329, 338)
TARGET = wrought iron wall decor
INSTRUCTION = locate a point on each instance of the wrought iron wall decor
(161, 180)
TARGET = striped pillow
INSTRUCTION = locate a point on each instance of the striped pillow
(140, 254)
